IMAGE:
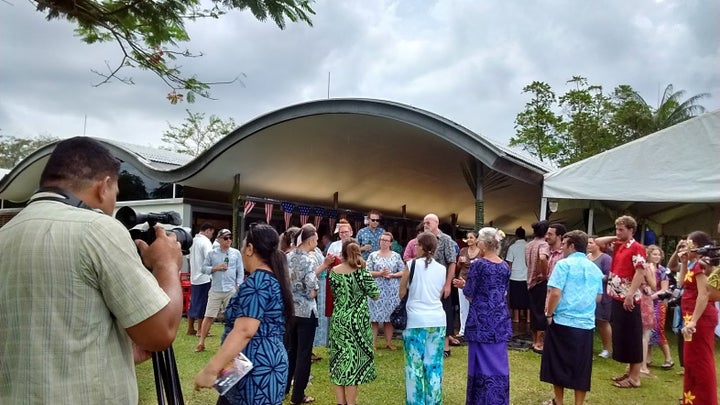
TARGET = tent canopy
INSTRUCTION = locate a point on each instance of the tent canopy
(663, 177)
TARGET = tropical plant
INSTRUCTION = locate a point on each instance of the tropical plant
(195, 135)
(13, 149)
(148, 32)
(536, 127)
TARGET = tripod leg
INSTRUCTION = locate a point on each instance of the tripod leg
(174, 376)
(158, 378)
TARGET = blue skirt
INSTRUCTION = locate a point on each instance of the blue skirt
(488, 379)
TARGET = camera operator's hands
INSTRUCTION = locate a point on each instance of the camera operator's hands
(165, 250)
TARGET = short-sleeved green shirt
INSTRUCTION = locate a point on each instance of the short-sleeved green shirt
(71, 282)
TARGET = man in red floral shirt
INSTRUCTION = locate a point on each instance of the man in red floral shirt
(626, 275)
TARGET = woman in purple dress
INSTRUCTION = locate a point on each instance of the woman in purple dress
(488, 326)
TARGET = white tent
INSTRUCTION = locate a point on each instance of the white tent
(669, 180)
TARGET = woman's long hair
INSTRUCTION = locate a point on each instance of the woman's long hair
(351, 254)
(428, 242)
(265, 241)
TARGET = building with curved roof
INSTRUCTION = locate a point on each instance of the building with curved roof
(348, 154)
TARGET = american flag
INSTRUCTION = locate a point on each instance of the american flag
(288, 210)
(318, 216)
(304, 214)
(248, 207)
(268, 212)
(332, 217)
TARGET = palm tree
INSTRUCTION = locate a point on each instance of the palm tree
(672, 110)
(634, 118)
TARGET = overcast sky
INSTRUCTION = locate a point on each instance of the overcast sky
(466, 60)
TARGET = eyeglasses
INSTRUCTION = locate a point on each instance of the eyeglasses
(374, 219)
(385, 240)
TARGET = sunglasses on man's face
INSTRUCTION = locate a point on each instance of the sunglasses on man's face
(375, 219)
(226, 238)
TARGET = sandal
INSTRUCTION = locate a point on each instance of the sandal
(626, 383)
(199, 348)
(391, 347)
(620, 377)
(306, 400)
(667, 365)
(446, 353)
(453, 341)
(550, 401)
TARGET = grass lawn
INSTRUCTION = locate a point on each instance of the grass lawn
(389, 387)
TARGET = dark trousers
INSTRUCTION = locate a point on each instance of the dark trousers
(300, 338)
(449, 315)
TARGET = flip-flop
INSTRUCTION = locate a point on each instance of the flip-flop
(550, 401)
(626, 383)
(620, 378)
(446, 353)
(199, 348)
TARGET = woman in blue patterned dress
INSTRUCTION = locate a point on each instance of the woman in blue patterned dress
(488, 326)
(386, 267)
(255, 324)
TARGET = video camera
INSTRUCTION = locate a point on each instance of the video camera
(708, 250)
(710, 256)
(128, 217)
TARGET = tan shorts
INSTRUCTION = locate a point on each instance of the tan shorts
(217, 301)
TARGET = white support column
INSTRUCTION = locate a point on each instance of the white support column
(543, 208)
(591, 219)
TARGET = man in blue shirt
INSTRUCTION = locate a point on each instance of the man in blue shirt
(574, 288)
(225, 265)
(369, 237)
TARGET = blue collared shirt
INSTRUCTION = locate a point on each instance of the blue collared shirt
(580, 281)
(224, 281)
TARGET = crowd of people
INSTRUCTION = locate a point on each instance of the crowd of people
(281, 295)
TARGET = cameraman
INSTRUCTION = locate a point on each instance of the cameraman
(77, 306)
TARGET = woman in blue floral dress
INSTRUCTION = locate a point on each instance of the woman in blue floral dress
(488, 326)
(255, 324)
(386, 267)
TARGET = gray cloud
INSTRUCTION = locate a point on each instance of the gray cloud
(463, 59)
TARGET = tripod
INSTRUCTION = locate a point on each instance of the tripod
(166, 377)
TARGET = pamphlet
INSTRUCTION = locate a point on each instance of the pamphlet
(235, 370)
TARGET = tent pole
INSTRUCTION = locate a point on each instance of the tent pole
(543, 208)
(479, 196)
(591, 218)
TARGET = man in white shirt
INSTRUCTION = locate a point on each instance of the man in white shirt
(519, 299)
(200, 282)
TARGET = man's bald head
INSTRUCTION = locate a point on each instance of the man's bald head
(430, 223)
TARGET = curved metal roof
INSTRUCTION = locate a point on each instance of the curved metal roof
(372, 153)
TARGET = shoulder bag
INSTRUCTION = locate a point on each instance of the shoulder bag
(398, 317)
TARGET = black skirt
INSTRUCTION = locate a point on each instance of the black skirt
(567, 357)
(627, 333)
(519, 297)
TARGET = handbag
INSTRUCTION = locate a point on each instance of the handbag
(398, 317)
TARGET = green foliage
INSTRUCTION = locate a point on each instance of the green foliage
(195, 135)
(590, 121)
(13, 150)
(536, 126)
(149, 32)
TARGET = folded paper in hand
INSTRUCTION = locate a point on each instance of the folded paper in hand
(235, 370)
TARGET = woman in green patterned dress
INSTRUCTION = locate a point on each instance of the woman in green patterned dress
(352, 360)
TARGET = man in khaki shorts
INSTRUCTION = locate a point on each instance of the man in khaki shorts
(225, 265)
